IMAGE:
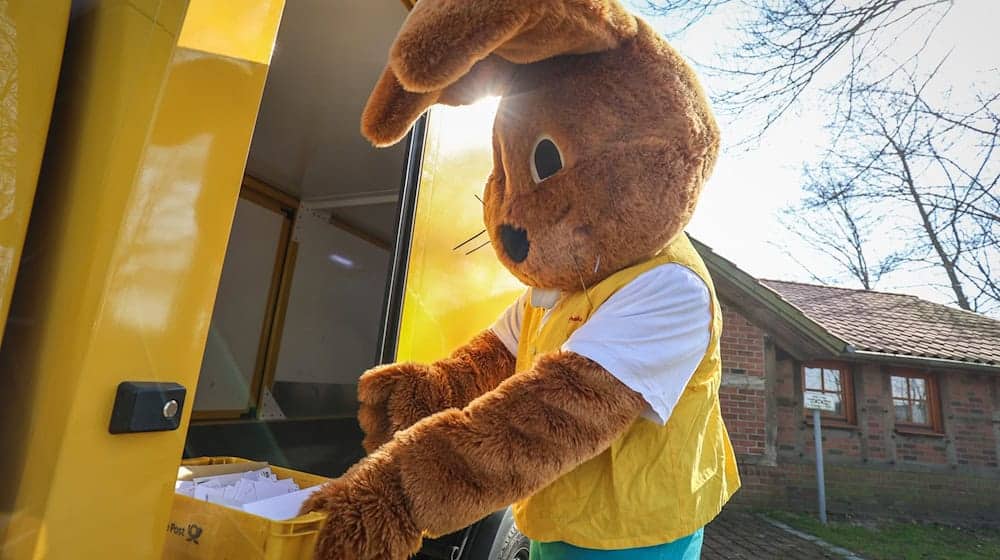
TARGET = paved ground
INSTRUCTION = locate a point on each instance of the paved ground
(738, 535)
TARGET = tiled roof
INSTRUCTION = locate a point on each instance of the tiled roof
(896, 324)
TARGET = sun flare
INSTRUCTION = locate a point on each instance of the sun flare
(469, 127)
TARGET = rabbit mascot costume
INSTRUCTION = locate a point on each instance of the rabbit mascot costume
(592, 404)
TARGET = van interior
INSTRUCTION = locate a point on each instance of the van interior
(304, 284)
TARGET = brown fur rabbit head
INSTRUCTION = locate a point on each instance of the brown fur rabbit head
(602, 140)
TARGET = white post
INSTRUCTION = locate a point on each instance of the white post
(820, 484)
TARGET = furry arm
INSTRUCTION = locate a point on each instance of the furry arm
(454, 467)
(396, 396)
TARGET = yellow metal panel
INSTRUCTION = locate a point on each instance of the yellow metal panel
(237, 29)
(31, 46)
(451, 295)
(128, 236)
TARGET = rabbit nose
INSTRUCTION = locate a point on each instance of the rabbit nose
(515, 242)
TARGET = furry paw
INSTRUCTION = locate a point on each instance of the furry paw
(368, 517)
(392, 398)
(315, 502)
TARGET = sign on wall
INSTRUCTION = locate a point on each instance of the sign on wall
(815, 400)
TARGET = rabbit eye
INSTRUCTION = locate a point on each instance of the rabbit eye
(546, 160)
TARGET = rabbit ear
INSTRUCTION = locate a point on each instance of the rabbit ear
(442, 40)
(456, 51)
(391, 110)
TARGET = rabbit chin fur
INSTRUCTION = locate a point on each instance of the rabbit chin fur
(457, 439)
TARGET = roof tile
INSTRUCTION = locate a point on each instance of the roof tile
(896, 324)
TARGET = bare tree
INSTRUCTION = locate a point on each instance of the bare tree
(931, 174)
(789, 46)
(841, 228)
(965, 153)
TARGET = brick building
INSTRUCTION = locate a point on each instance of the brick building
(917, 386)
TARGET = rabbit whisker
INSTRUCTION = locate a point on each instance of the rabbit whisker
(456, 247)
(487, 242)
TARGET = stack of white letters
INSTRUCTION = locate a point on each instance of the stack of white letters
(252, 488)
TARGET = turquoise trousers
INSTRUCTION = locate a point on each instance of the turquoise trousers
(684, 548)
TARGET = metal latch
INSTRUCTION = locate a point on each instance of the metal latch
(142, 406)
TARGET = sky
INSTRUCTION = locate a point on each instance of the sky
(738, 212)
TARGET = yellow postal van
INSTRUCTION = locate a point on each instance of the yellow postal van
(199, 255)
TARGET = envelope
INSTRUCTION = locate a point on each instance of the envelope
(190, 472)
(280, 508)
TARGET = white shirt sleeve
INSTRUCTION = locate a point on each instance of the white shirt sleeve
(651, 335)
(508, 326)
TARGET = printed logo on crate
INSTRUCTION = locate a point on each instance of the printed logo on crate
(190, 533)
(198, 533)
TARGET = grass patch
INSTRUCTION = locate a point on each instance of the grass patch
(900, 541)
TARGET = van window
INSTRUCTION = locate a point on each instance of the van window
(235, 352)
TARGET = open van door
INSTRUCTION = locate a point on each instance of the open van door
(153, 116)
(446, 283)
(32, 36)
(31, 48)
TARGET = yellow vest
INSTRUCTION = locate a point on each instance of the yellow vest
(655, 483)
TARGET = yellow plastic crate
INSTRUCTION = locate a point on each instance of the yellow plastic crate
(200, 530)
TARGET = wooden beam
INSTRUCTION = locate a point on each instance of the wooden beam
(366, 198)
(359, 232)
(255, 185)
